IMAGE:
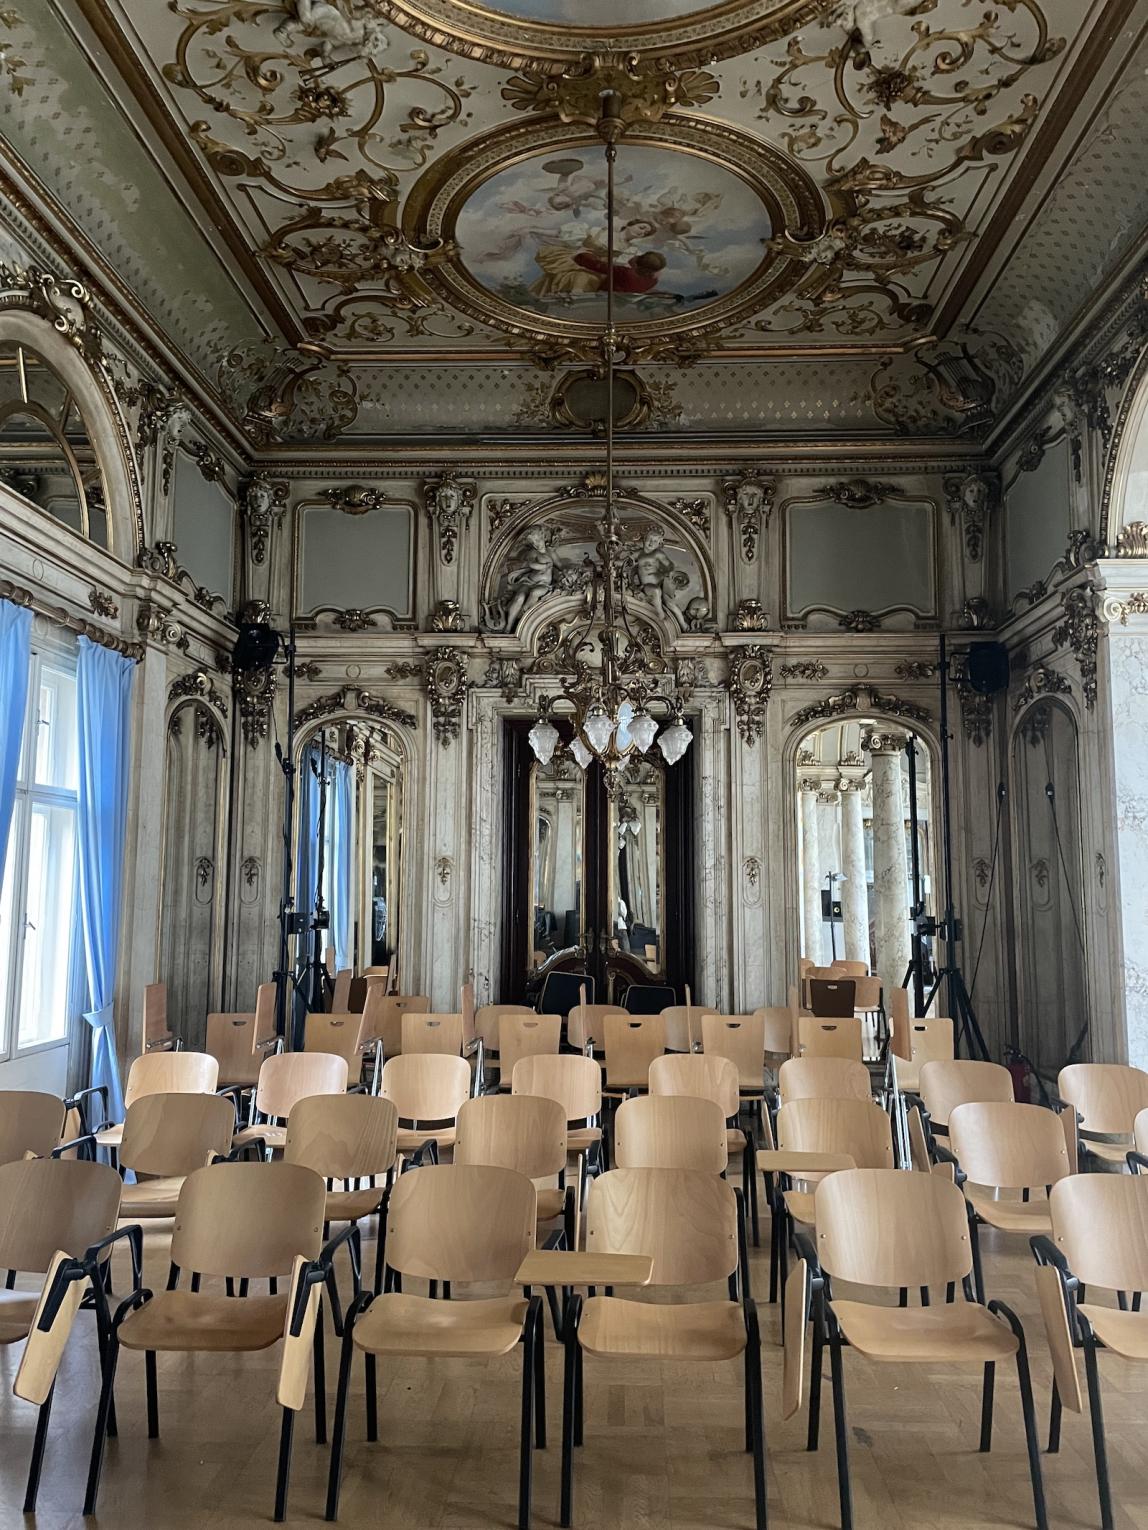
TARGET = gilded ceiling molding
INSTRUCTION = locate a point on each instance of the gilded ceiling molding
(750, 683)
(645, 89)
(750, 616)
(280, 393)
(749, 504)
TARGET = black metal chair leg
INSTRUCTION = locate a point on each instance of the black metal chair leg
(579, 1378)
(525, 1444)
(817, 1362)
(841, 1431)
(978, 1270)
(107, 1386)
(555, 1314)
(987, 1406)
(371, 1371)
(749, 1188)
(1092, 1371)
(336, 1308)
(152, 1395)
(773, 1220)
(286, 1435)
(1054, 1412)
(37, 1460)
(757, 1409)
(320, 1368)
(339, 1433)
(540, 1381)
(1030, 1436)
(569, 1408)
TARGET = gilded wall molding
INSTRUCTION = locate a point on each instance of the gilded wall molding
(750, 684)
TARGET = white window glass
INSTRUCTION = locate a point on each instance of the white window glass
(55, 744)
(43, 1006)
(7, 941)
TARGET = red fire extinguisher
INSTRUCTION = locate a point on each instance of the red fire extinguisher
(1021, 1069)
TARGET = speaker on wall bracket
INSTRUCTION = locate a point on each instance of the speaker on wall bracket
(987, 668)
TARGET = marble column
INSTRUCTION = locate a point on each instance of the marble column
(810, 872)
(854, 893)
(890, 862)
(829, 855)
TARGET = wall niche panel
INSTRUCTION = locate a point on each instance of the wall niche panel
(1038, 518)
(203, 528)
(352, 555)
(877, 557)
(194, 850)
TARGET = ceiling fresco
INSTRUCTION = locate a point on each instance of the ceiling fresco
(369, 182)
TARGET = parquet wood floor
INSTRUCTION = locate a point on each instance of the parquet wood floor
(662, 1448)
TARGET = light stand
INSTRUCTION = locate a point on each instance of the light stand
(284, 977)
(831, 877)
(315, 982)
(916, 968)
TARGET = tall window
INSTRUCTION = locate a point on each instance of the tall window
(38, 902)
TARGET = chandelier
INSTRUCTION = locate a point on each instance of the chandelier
(613, 702)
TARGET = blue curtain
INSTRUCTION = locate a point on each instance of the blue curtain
(103, 711)
(307, 852)
(340, 857)
(15, 649)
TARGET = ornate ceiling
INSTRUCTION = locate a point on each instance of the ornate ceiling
(374, 182)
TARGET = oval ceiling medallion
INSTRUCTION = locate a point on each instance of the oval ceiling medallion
(548, 34)
(701, 213)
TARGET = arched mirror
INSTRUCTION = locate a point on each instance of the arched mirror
(865, 844)
(46, 453)
(1046, 798)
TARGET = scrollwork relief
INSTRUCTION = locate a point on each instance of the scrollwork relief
(1081, 631)
(1040, 681)
(750, 683)
(351, 699)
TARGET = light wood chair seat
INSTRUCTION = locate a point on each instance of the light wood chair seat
(274, 1136)
(350, 1205)
(1125, 1333)
(582, 1138)
(1011, 1215)
(799, 1204)
(17, 1311)
(953, 1331)
(709, 1331)
(551, 1204)
(112, 1136)
(400, 1324)
(735, 1142)
(410, 1139)
(151, 1198)
(191, 1320)
(1110, 1152)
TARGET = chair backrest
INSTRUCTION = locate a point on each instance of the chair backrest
(741, 1038)
(461, 1222)
(265, 1002)
(426, 1086)
(171, 1134)
(250, 1220)
(1100, 1222)
(394, 1007)
(486, 1019)
(849, 969)
(231, 1041)
(1002, 1143)
(777, 1028)
(670, 1132)
(928, 1040)
(859, 1128)
(54, 1203)
(574, 1081)
(835, 1078)
(156, 1034)
(899, 1015)
(293, 1076)
(883, 1227)
(338, 1033)
(343, 1136)
(866, 994)
(839, 1037)
(705, 1075)
(832, 997)
(586, 1022)
(524, 1132)
(682, 1027)
(424, 1032)
(171, 1073)
(945, 1085)
(632, 1042)
(1109, 1096)
(685, 1220)
(30, 1122)
(341, 993)
(526, 1036)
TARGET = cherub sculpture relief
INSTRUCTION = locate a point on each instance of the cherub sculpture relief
(332, 29)
(655, 574)
(536, 571)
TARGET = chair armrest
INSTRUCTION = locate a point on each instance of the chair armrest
(423, 1154)
(87, 1141)
(1137, 1162)
(132, 1235)
(1045, 1251)
(252, 1151)
(789, 1161)
(946, 1155)
(78, 1101)
(569, 1267)
(315, 1273)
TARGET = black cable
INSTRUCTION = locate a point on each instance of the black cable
(1050, 794)
(989, 893)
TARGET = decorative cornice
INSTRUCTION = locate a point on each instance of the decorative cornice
(351, 699)
(851, 701)
(1040, 681)
(860, 493)
(805, 669)
(62, 617)
(197, 683)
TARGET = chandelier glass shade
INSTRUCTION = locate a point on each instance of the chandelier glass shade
(618, 681)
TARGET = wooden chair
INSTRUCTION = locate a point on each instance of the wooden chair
(710, 1076)
(886, 1228)
(839, 1078)
(576, 1083)
(283, 1080)
(818, 1037)
(795, 1013)
(345, 1035)
(341, 992)
(424, 1032)
(392, 1008)
(526, 1133)
(1016, 1148)
(832, 998)
(57, 1220)
(682, 1026)
(741, 1038)
(945, 1085)
(445, 1224)
(670, 1131)
(525, 1036)
(1100, 1242)
(165, 1138)
(486, 1019)
(30, 1122)
(350, 1138)
(157, 1035)
(239, 1042)
(869, 1004)
(776, 1024)
(632, 1043)
(687, 1221)
(245, 1221)
(586, 1024)
(849, 969)
(162, 1073)
(427, 1089)
(929, 1040)
(1107, 1097)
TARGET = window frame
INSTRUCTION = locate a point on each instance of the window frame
(47, 652)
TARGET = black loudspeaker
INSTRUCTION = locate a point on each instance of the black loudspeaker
(987, 668)
(255, 647)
